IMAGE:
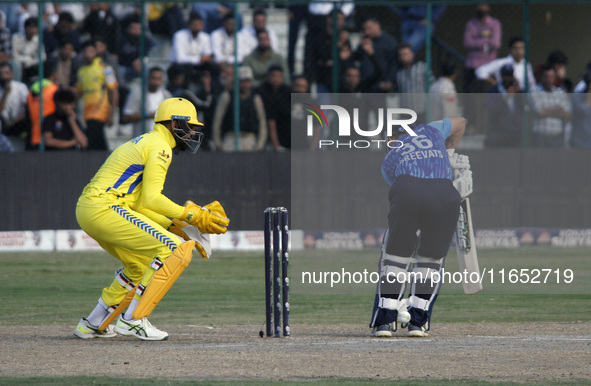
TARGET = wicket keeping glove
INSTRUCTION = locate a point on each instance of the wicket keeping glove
(189, 232)
(206, 221)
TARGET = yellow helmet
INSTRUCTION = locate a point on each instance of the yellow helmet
(177, 108)
(183, 112)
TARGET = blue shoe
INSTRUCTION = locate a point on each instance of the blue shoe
(383, 331)
(417, 331)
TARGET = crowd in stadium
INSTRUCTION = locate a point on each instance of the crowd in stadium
(92, 63)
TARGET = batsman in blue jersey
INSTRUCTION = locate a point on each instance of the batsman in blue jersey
(424, 209)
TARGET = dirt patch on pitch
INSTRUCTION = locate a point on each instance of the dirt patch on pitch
(494, 352)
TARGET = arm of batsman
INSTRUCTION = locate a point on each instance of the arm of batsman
(204, 219)
(189, 232)
(463, 183)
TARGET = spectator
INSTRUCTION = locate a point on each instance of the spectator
(581, 133)
(191, 45)
(414, 24)
(33, 104)
(384, 47)
(252, 125)
(108, 58)
(482, 39)
(222, 41)
(582, 85)
(412, 81)
(155, 95)
(214, 14)
(99, 89)
(5, 40)
(61, 130)
(77, 10)
(5, 144)
(262, 58)
(491, 71)
(63, 30)
(13, 101)
(276, 97)
(351, 80)
(206, 96)
(557, 60)
(249, 35)
(505, 107)
(318, 11)
(28, 10)
(226, 77)
(443, 95)
(64, 59)
(177, 81)
(102, 22)
(129, 49)
(296, 14)
(551, 108)
(321, 61)
(25, 47)
(299, 136)
(165, 19)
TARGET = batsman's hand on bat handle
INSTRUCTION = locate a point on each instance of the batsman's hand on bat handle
(204, 219)
(459, 161)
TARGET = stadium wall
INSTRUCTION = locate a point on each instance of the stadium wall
(512, 188)
(40, 190)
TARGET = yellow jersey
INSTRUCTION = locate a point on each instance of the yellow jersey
(134, 176)
(93, 82)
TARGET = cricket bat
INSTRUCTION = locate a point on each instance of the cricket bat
(466, 248)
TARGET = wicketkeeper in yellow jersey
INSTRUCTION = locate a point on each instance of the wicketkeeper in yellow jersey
(123, 208)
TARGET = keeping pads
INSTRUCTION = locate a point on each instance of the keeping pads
(189, 232)
(462, 175)
(208, 219)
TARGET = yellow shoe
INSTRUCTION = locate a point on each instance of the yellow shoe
(85, 330)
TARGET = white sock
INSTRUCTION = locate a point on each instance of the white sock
(130, 309)
(97, 315)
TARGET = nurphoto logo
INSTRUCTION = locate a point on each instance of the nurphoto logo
(393, 122)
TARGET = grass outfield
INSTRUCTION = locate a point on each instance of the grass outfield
(59, 288)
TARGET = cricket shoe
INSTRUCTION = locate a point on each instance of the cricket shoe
(383, 331)
(85, 330)
(417, 331)
(141, 329)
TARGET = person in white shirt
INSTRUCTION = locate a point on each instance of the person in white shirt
(442, 93)
(222, 40)
(155, 95)
(13, 101)
(491, 71)
(25, 47)
(191, 45)
(248, 35)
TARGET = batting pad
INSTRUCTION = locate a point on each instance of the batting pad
(164, 278)
(117, 311)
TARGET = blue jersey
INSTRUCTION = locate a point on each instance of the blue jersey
(423, 156)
